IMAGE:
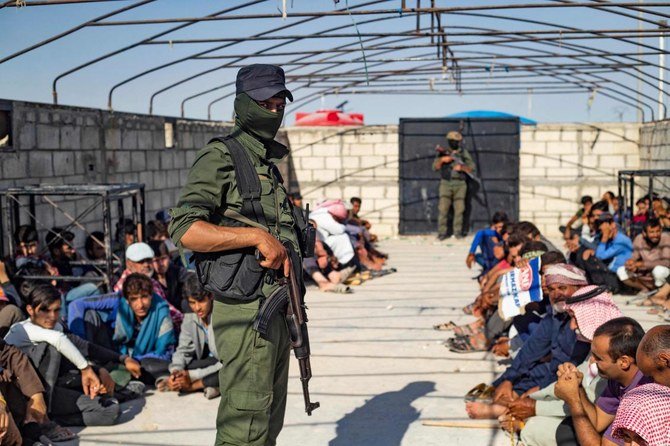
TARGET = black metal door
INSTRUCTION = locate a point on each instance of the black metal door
(494, 146)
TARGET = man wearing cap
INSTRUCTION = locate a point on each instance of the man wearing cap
(253, 380)
(140, 260)
(453, 164)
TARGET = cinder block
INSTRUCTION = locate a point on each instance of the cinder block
(548, 135)
(526, 160)
(145, 140)
(373, 192)
(547, 191)
(534, 172)
(129, 139)
(352, 191)
(70, 137)
(351, 162)
(166, 178)
(138, 161)
(532, 204)
(304, 175)
(556, 148)
(533, 147)
(311, 163)
(90, 138)
(527, 134)
(613, 161)
(333, 163)
(112, 139)
(63, 162)
(40, 165)
(154, 199)
(386, 149)
(325, 175)
(326, 150)
(179, 159)
(14, 165)
(48, 137)
(153, 159)
(190, 157)
(549, 161)
(26, 136)
(373, 161)
(385, 173)
(167, 159)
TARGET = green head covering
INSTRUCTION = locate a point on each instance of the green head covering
(257, 121)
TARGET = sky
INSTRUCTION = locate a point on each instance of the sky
(30, 76)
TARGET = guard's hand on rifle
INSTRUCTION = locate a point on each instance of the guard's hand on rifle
(272, 253)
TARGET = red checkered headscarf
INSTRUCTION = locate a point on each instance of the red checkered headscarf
(645, 411)
(564, 274)
(592, 313)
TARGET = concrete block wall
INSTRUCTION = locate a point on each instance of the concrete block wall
(561, 162)
(71, 145)
(655, 145)
(342, 162)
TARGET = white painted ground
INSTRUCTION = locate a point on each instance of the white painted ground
(380, 370)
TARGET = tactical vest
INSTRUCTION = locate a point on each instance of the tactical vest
(237, 274)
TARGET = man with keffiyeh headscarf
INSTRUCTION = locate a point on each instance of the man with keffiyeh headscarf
(553, 338)
(643, 417)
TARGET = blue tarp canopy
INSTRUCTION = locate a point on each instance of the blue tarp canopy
(491, 114)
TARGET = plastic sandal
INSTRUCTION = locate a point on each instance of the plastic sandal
(474, 393)
(445, 326)
(57, 433)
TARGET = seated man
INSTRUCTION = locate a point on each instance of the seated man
(140, 260)
(74, 400)
(25, 406)
(61, 250)
(587, 315)
(614, 248)
(485, 240)
(195, 364)
(136, 323)
(649, 266)
(613, 351)
(584, 258)
(554, 338)
(170, 275)
(581, 216)
(329, 217)
(653, 354)
(643, 417)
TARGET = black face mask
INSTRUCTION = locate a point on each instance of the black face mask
(454, 145)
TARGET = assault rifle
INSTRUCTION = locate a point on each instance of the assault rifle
(457, 160)
(289, 295)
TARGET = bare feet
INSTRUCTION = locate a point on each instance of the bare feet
(483, 411)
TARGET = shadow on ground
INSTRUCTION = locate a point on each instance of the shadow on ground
(382, 420)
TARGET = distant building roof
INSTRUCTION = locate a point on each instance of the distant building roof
(491, 114)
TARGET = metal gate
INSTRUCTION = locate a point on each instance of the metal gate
(494, 146)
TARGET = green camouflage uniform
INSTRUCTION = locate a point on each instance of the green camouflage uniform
(253, 380)
(453, 188)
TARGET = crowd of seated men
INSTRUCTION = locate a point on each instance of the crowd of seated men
(345, 252)
(82, 347)
(579, 373)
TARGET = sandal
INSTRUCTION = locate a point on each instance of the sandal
(467, 329)
(473, 394)
(469, 308)
(339, 288)
(487, 395)
(463, 345)
(57, 433)
(445, 326)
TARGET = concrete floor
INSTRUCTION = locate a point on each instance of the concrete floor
(380, 370)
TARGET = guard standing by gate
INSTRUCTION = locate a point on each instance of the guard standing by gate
(247, 239)
(454, 164)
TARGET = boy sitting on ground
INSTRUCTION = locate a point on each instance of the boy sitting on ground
(136, 323)
(195, 364)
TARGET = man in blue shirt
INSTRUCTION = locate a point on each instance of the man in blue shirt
(486, 240)
(615, 248)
